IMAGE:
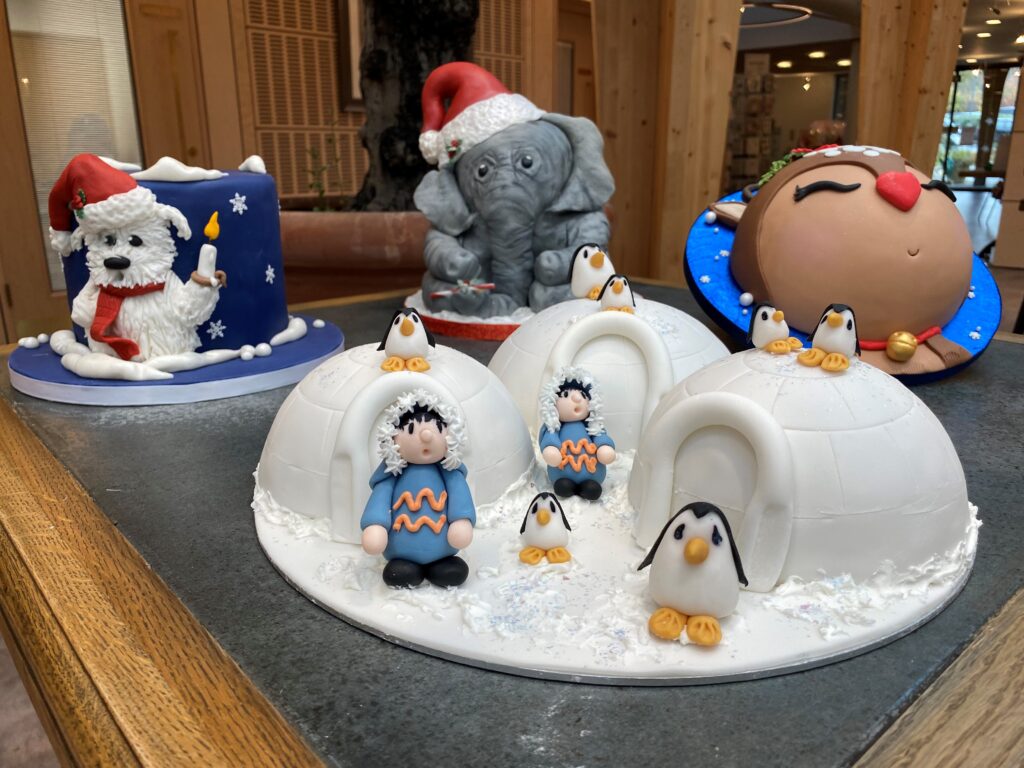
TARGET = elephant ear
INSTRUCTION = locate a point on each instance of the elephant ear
(439, 198)
(590, 183)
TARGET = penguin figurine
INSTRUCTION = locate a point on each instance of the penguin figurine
(617, 295)
(545, 531)
(769, 331)
(834, 341)
(695, 575)
(589, 269)
(406, 342)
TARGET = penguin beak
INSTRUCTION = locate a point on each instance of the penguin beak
(617, 287)
(695, 551)
(835, 320)
(543, 517)
(778, 317)
(407, 327)
(598, 260)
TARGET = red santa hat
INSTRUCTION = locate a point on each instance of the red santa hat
(479, 106)
(100, 197)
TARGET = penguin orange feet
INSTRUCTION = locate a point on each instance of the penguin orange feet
(704, 630)
(794, 343)
(531, 555)
(417, 365)
(667, 623)
(558, 555)
(811, 357)
(778, 347)
(835, 362)
(393, 364)
(594, 292)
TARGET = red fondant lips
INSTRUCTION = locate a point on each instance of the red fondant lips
(899, 189)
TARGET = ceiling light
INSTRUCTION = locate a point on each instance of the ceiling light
(984, 34)
(959, 45)
(807, 84)
(988, 85)
(816, 55)
(993, 22)
(844, 63)
(784, 64)
(1019, 40)
(971, 61)
(24, 81)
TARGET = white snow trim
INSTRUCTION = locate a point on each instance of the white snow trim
(549, 392)
(253, 164)
(169, 169)
(475, 124)
(298, 524)
(852, 149)
(389, 428)
(121, 165)
(296, 330)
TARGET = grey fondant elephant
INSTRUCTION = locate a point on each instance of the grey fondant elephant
(510, 211)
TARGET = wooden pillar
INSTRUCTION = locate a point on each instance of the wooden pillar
(540, 37)
(220, 82)
(908, 54)
(664, 78)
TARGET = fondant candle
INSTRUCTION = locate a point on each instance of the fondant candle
(208, 253)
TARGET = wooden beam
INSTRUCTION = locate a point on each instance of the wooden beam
(540, 35)
(219, 82)
(971, 715)
(908, 54)
(697, 60)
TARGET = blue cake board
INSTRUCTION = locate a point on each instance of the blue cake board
(39, 373)
(706, 268)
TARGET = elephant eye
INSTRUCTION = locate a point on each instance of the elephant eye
(481, 170)
(110, 239)
(678, 532)
(527, 161)
(135, 241)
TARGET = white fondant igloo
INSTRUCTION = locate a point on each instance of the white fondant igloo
(321, 449)
(636, 358)
(818, 472)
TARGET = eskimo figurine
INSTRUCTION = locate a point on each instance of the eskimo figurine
(420, 512)
(769, 331)
(834, 342)
(545, 531)
(133, 307)
(695, 575)
(616, 295)
(589, 270)
(573, 440)
(406, 343)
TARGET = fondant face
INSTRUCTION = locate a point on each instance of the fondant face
(422, 442)
(572, 405)
(137, 254)
(897, 251)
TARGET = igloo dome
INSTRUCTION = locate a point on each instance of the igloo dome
(321, 449)
(636, 358)
(818, 472)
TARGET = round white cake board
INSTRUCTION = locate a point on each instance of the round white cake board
(586, 621)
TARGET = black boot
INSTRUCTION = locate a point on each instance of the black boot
(565, 487)
(403, 574)
(589, 490)
(447, 572)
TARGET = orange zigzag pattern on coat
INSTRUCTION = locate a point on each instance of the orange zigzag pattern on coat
(577, 460)
(436, 504)
(434, 525)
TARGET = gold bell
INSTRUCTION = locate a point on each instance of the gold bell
(901, 346)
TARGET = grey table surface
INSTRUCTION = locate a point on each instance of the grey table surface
(177, 481)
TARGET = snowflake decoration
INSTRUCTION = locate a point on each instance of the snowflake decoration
(216, 330)
(705, 279)
(970, 294)
(974, 335)
(238, 204)
(724, 254)
(269, 274)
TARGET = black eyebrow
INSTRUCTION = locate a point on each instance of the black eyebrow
(825, 185)
(941, 186)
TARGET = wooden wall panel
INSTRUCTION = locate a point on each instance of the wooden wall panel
(220, 83)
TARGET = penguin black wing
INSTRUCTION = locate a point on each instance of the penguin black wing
(606, 284)
(558, 506)
(657, 542)
(391, 322)
(712, 509)
(531, 507)
(575, 254)
(753, 319)
(430, 337)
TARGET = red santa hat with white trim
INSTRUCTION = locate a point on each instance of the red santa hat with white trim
(100, 197)
(479, 106)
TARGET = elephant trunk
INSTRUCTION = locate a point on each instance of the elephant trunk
(510, 227)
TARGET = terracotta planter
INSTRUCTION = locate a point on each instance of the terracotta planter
(329, 254)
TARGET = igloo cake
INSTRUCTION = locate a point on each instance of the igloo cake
(176, 288)
(638, 355)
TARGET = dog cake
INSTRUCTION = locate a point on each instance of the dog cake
(862, 223)
(176, 288)
(768, 513)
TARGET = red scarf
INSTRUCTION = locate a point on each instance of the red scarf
(108, 304)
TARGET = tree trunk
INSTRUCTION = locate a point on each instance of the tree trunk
(403, 41)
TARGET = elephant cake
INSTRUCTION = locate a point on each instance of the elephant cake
(515, 191)
(678, 514)
(176, 288)
(863, 223)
